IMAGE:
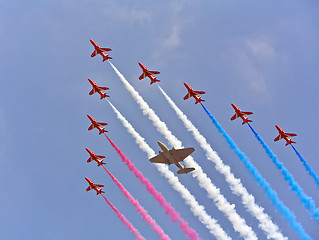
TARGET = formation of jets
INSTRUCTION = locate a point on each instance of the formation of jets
(242, 115)
(96, 187)
(94, 157)
(97, 125)
(283, 135)
(98, 50)
(166, 156)
(194, 94)
(149, 74)
(98, 89)
(173, 156)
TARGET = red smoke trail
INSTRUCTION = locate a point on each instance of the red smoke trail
(191, 233)
(125, 221)
(140, 209)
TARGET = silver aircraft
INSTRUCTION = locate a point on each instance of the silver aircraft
(173, 156)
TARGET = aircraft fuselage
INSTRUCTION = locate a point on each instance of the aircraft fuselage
(168, 155)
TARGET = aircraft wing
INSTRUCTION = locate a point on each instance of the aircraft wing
(106, 49)
(187, 96)
(154, 72)
(91, 127)
(234, 117)
(247, 113)
(160, 159)
(181, 154)
(142, 76)
(92, 91)
(94, 53)
(199, 92)
(278, 138)
(104, 88)
(291, 134)
(89, 188)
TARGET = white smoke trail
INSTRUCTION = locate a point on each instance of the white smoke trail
(198, 210)
(266, 224)
(223, 205)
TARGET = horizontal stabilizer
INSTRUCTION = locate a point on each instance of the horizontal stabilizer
(104, 96)
(246, 121)
(290, 142)
(185, 170)
(199, 100)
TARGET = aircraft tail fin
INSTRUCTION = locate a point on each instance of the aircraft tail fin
(185, 170)
(154, 81)
(106, 57)
(246, 121)
(290, 142)
(199, 100)
(104, 96)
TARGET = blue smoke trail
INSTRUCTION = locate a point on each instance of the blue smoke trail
(305, 199)
(308, 168)
(286, 212)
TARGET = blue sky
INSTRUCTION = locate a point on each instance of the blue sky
(263, 57)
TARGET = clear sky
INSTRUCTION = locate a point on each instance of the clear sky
(262, 56)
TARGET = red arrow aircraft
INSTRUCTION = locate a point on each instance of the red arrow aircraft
(194, 94)
(94, 157)
(96, 187)
(97, 125)
(101, 51)
(242, 115)
(98, 89)
(148, 73)
(283, 135)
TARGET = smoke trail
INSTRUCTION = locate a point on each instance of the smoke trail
(308, 168)
(192, 234)
(236, 186)
(125, 221)
(221, 202)
(307, 201)
(146, 217)
(197, 210)
(286, 212)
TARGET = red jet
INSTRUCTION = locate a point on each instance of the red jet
(98, 89)
(194, 94)
(97, 125)
(96, 187)
(94, 157)
(283, 135)
(148, 73)
(242, 115)
(101, 51)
